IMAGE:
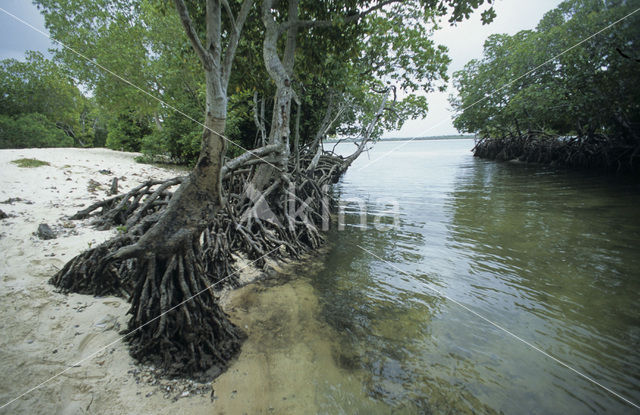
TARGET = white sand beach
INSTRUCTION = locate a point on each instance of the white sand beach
(284, 365)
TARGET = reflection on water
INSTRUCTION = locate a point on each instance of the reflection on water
(552, 256)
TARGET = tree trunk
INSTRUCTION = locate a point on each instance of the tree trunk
(281, 74)
(176, 322)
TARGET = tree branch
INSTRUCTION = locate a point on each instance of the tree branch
(272, 61)
(248, 156)
(292, 32)
(324, 124)
(214, 32)
(232, 19)
(327, 23)
(234, 37)
(204, 56)
(258, 120)
(369, 130)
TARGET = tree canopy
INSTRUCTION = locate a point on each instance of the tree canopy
(527, 83)
(41, 106)
(340, 62)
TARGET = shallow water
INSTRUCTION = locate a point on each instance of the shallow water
(551, 256)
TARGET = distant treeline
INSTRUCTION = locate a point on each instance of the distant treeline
(40, 106)
(435, 137)
(526, 90)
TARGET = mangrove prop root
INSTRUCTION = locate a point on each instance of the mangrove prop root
(216, 253)
(89, 273)
(228, 232)
(155, 265)
(93, 273)
(594, 151)
(176, 323)
(129, 208)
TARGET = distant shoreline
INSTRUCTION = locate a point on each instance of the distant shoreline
(431, 138)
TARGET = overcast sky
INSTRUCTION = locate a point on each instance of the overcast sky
(464, 42)
(15, 37)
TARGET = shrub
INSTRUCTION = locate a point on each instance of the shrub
(31, 130)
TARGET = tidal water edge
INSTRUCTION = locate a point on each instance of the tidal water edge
(552, 256)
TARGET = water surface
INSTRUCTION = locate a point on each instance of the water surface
(550, 255)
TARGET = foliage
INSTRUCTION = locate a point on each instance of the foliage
(140, 41)
(31, 130)
(340, 65)
(522, 85)
(37, 85)
(41, 106)
(179, 139)
(126, 132)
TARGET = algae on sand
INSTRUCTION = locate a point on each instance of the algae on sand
(27, 162)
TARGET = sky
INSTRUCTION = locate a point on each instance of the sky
(15, 37)
(465, 41)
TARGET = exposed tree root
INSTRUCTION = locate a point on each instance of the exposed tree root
(216, 252)
(298, 201)
(174, 248)
(127, 209)
(93, 273)
(88, 273)
(176, 323)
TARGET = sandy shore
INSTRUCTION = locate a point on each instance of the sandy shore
(286, 365)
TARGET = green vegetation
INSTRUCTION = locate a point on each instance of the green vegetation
(31, 130)
(40, 106)
(338, 69)
(588, 95)
(29, 162)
